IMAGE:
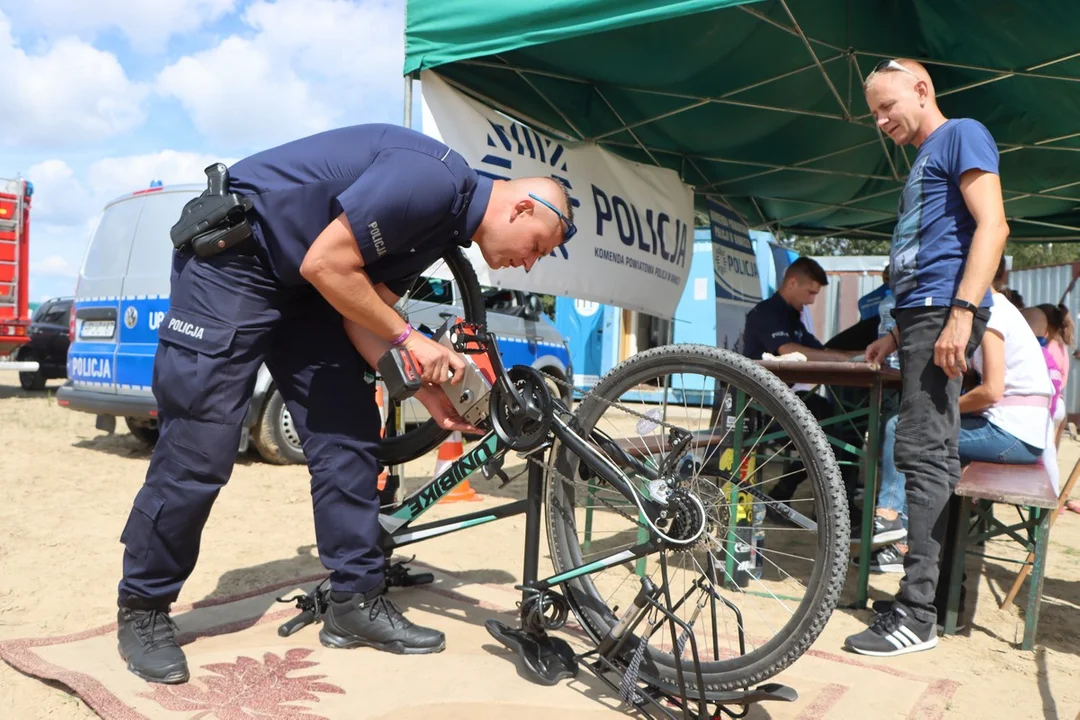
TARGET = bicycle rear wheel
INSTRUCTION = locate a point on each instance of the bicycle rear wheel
(785, 601)
(448, 288)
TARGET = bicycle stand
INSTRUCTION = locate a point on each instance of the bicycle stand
(617, 658)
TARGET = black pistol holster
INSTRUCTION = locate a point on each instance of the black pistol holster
(216, 220)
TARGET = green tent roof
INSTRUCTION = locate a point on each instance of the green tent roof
(760, 104)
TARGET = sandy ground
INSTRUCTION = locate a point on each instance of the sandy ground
(66, 489)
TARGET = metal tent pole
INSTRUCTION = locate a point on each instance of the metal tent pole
(408, 100)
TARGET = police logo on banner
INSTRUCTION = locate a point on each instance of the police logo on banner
(734, 262)
(634, 220)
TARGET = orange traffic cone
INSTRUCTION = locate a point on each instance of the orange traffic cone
(451, 449)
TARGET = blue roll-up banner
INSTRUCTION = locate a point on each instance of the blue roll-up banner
(738, 286)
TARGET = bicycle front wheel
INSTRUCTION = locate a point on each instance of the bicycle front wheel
(757, 587)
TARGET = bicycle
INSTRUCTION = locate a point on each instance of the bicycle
(686, 502)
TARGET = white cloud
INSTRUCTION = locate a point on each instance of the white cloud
(268, 105)
(71, 94)
(147, 24)
(59, 198)
(305, 66)
(56, 266)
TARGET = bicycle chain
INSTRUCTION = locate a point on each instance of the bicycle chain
(550, 468)
(550, 465)
(610, 403)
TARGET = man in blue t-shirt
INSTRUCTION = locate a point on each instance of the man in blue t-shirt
(339, 227)
(949, 236)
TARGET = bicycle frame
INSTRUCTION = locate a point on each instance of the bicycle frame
(399, 530)
(545, 658)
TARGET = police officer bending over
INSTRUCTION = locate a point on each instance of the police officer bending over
(296, 259)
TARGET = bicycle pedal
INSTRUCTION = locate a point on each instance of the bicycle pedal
(418, 579)
(545, 659)
(397, 575)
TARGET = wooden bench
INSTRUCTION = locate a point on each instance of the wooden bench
(1026, 487)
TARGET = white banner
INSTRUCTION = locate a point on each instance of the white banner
(635, 222)
(738, 287)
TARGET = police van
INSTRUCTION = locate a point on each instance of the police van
(122, 296)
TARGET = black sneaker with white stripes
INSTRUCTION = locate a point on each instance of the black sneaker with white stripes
(893, 632)
(881, 606)
(885, 532)
(888, 559)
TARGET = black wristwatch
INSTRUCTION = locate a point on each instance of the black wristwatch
(965, 305)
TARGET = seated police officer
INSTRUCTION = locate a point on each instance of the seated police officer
(775, 325)
(341, 224)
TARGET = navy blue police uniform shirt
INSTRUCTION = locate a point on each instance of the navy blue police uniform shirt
(772, 323)
(408, 199)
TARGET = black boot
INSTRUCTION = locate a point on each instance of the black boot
(372, 620)
(148, 643)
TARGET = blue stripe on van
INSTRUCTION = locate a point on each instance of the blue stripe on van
(129, 365)
(140, 317)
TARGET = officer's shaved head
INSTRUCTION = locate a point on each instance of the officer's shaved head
(526, 219)
(547, 188)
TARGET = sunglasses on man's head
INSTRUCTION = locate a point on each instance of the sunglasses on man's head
(569, 229)
(886, 65)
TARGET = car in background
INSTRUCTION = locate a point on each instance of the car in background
(122, 296)
(48, 344)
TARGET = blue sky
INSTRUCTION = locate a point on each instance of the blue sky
(111, 94)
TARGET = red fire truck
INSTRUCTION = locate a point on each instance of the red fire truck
(14, 271)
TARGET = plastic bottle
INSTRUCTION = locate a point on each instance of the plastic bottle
(886, 325)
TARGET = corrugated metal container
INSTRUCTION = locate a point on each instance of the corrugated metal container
(1047, 285)
(837, 307)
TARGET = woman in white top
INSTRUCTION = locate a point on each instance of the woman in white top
(1005, 419)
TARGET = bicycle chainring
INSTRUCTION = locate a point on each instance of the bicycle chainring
(511, 423)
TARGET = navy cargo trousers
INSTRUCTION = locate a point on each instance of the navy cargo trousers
(228, 314)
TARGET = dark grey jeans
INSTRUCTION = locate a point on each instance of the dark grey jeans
(926, 448)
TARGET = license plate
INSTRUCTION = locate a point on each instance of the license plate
(97, 329)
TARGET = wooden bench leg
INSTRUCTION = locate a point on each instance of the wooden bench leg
(956, 577)
(1026, 569)
(1031, 617)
